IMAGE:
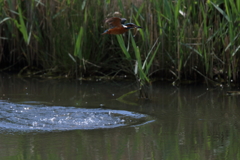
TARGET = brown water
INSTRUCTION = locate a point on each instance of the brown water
(42, 119)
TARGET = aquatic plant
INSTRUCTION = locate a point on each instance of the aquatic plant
(181, 41)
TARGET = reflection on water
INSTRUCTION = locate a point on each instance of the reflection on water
(191, 122)
(22, 117)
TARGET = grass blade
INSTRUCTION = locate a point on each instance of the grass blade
(123, 47)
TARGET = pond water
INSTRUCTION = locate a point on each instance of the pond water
(70, 119)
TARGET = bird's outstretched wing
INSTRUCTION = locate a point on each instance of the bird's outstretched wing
(115, 21)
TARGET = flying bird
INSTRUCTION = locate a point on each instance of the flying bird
(117, 26)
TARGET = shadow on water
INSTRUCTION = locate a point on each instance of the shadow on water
(190, 122)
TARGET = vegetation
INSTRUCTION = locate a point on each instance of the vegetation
(180, 40)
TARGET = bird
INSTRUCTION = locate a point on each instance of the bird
(118, 26)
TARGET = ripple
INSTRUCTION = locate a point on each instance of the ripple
(25, 117)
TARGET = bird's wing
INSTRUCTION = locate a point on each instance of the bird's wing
(115, 21)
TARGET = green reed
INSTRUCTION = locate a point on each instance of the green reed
(141, 66)
(190, 40)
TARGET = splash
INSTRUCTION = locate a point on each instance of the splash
(28, 117)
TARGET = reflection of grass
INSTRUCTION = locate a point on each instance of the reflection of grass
(121, 99)
(176, 37)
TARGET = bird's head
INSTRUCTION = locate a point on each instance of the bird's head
(130, 25)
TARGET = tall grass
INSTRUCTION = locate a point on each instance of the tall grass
(181, 41)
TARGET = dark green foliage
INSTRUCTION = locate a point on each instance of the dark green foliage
(180, 40)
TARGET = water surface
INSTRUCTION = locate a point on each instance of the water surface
(189, 122)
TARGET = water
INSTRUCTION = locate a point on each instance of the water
(66, 119)
(27, 118)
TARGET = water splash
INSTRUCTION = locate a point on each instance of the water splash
(26, 117)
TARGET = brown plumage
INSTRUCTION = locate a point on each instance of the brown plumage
(118, 26)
